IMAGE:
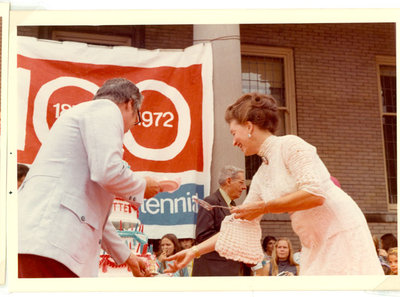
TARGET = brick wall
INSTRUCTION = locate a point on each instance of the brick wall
(168, 36)
(379, 229)
(280, 228)
(155, 36)
(337, 97)
(32, 31)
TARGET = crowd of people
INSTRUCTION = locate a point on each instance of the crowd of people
(386, 249)
(280, 259)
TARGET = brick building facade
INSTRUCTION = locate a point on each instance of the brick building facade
(337, 99)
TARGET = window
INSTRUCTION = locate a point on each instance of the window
(106, 35)
(386, 69)
(92, 38)
(270, 70)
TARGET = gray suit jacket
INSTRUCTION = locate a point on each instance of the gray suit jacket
(65, 200)
(208, 224)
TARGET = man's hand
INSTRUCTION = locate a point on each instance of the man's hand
(138, 266)
(152, 187)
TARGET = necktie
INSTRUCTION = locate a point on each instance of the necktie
(233, 203)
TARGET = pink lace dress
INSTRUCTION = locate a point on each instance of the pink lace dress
(335, 237)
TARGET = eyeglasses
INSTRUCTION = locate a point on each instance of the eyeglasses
(240, 181)
(139, 118)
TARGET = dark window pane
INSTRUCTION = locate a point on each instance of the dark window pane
(390, 136)
(252, 164)
(264, 75)
(388, 84)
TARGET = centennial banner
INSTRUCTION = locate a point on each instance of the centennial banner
(175, 137)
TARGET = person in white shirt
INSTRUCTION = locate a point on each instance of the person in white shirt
(66, 197)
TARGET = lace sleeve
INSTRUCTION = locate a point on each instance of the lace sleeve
(302, 161)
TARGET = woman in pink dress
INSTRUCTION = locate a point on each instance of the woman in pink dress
(334, 234)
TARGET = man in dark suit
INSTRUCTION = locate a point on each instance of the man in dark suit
(232, 184)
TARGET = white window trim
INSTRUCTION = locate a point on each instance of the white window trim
(390, 61)
(288, 64)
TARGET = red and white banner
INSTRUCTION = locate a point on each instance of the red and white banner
(175, 137)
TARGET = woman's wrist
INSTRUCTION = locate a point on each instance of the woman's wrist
(195, 251)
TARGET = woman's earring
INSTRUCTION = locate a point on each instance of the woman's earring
(249, 135)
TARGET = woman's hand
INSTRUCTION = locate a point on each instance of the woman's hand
(180, 259)
(249, 211)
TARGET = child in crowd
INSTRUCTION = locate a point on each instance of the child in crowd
(392, 259)
(169, 245)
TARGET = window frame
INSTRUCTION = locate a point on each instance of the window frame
(91, 38)
(289, 79)
(286, 54)
(388, 61)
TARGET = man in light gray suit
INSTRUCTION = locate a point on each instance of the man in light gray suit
(65, 200)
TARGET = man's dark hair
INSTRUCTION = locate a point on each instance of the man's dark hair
(266, 240)
(388, 241)
(22, 171)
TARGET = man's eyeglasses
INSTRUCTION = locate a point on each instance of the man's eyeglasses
(139, 118)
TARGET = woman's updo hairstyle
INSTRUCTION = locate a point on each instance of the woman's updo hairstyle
(260, 109)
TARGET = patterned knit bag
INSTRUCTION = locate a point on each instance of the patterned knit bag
(239, 240)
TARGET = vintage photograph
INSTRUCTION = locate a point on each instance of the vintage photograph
(249, 149)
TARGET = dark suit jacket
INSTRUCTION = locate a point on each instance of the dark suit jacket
(208, 224)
